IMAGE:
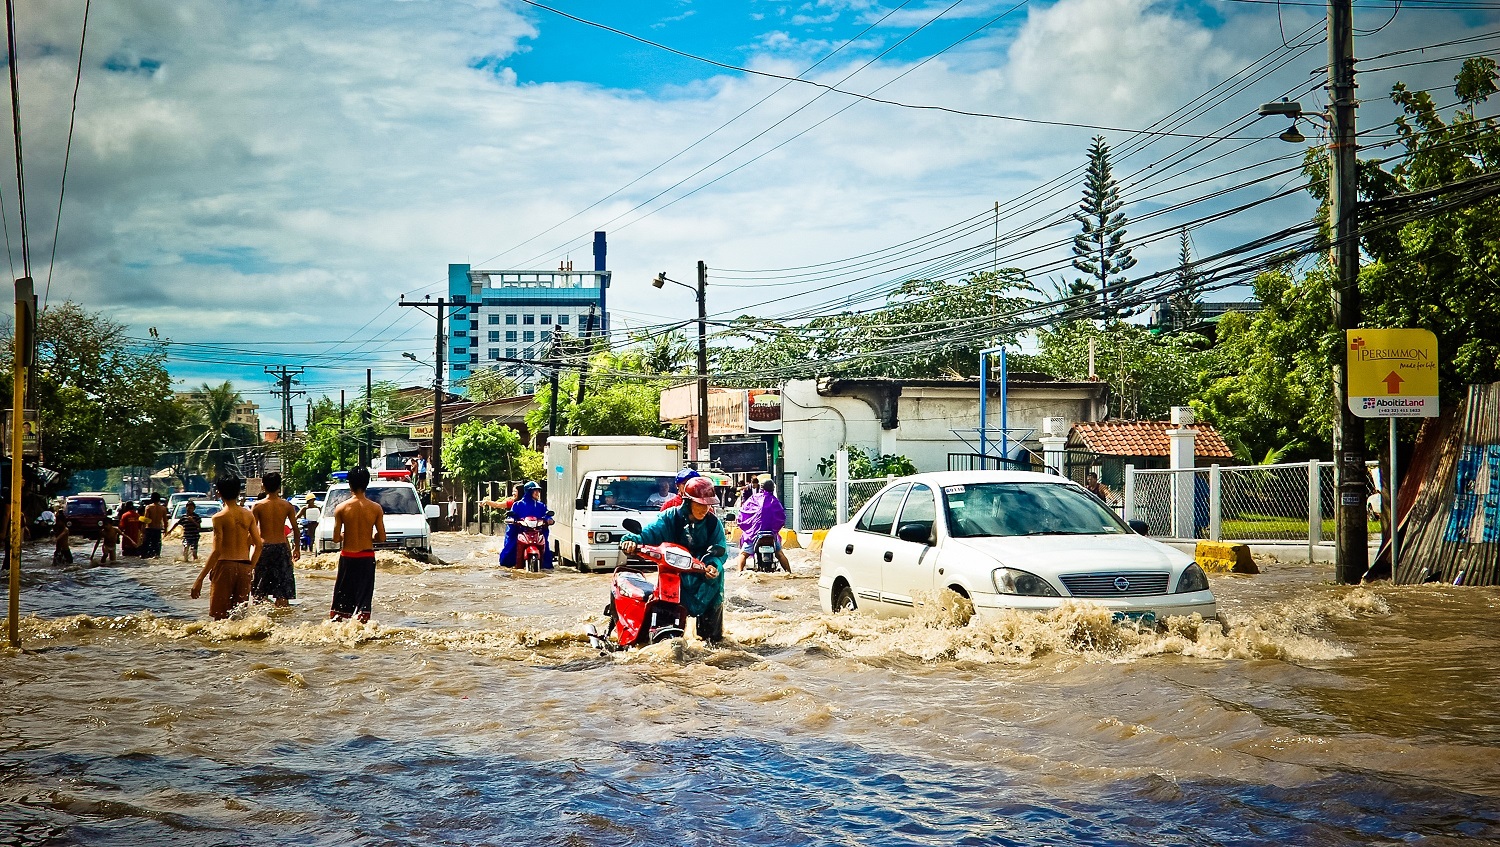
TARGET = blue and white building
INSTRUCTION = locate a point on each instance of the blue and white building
(504, 314)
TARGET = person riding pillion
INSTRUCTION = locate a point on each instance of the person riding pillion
(694, 525)
(529, 506)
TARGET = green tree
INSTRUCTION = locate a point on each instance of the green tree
(533, 464)
(868, 465)
(482, 450)
(1183, 306)
(488, 384)
(320, 449)
(102, 399)
(623, 397)
(1100, 249)
(1431, 230)
(1148, 374)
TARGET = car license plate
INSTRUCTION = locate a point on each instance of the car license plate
(1141, 619)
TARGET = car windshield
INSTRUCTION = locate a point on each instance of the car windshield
(85, 507)
(393, 500)
(642, 493)
(203, 508)
(1026, 508)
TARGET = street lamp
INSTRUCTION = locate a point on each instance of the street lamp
(701, 431)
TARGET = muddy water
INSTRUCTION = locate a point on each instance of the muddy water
(472, 711)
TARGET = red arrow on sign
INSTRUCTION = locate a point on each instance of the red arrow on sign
(1392, 382)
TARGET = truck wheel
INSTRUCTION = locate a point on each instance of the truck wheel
(578, 560)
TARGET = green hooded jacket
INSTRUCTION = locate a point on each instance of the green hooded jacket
(704, 539)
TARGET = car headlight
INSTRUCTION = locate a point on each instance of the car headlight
(601, 538)
(1012, 581)
(1192, 579)
(415, 541)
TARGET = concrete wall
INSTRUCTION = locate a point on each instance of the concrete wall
(814, 425)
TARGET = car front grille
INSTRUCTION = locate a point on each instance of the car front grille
(1118, 584)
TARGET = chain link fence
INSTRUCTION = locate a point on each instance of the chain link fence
(817, 501)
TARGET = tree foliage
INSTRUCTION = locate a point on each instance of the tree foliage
(212, 433)
(1432, 263)
(622, 397)
(102, 399)
(927, 328)
(1100, 249)
(1148, 374)
(482, 450)
(868, 465)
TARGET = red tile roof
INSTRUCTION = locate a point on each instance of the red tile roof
(1147, 438)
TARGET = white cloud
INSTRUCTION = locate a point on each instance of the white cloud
(256, 172)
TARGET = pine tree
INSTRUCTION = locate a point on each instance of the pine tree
(1100, 248)
(1184, 306)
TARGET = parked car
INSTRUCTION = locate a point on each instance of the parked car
(184, 496)
(405, 518)
(205, 508)
(112, 500)
(1004, 540)
(86, 514)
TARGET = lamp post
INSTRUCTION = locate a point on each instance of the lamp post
(702, 428)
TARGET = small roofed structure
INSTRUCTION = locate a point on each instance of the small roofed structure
(1144, 444)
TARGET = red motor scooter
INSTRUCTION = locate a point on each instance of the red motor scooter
(640, 611)
(531, 543)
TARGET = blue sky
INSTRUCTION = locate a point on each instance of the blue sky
(261, 181)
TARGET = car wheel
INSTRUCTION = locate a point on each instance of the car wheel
(582, 565)
(843, 598)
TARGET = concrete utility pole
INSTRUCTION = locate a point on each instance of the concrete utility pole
(285, 376)
(22, 356)
(1349, 431)
(583, 365)
(702, 361)
(441, 309)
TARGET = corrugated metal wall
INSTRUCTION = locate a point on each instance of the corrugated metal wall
(1452, 531)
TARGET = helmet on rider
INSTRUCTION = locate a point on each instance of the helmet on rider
(700, 490)
(530, 487)
(686, 474)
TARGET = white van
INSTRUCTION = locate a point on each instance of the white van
(405, 519)
(594, 483)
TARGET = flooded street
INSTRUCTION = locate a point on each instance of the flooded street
(472, 711)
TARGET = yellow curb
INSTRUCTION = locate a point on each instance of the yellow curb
(1219, 557)
(815, 547)
(789, 540)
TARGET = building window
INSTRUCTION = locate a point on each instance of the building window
(459, 351)
(474, 357)
(510, 320)
(510, 335)
(546, 335)
(494, 320)
(510, 352)
(460, 366)
(494, 354)
(460, 298)
(528, 335)
(528, 354)
(494, 336)
(546, 320)
(528, 320)
(492, 301)
(562, 320)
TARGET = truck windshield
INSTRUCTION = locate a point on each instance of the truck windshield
(395, 500)
(641, 493)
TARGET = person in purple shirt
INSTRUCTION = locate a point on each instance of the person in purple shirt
(761, 512)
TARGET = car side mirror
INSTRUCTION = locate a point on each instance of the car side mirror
(433, 510)
(631, 525)
(916, 533)
(580, 503)
(1140, 527)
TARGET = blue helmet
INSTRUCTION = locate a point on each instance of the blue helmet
(532, 486)
(686, 474)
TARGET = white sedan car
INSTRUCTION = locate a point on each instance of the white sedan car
(1004, 540)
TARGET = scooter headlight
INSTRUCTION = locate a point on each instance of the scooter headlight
(1012, 581)
(678, 560)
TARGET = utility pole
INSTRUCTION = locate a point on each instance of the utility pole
(441, 307)
(284, 379)
(702, 361)
(22, 357)
(1353, 553)
(552, 409)
(364, 438)
(583, 364)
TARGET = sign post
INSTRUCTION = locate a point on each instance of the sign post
(1392, 374)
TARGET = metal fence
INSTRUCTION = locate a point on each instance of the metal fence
(1285, 502)
(815, 503)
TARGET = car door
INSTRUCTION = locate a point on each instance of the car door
(907, 566)
(868, 543)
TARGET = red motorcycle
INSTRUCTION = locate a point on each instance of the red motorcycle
(531, 543)
(640, 611)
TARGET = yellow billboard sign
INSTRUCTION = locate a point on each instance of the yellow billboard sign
(1392, 373)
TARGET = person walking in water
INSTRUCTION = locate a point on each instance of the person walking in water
(236, 547)
(273, 577)
(154, 519)
(358, 525)
(191, 524)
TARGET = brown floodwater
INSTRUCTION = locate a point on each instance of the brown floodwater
(472, 711)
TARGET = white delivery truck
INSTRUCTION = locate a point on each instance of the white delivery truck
(595, 483)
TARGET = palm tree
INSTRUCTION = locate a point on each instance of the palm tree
(213, 430)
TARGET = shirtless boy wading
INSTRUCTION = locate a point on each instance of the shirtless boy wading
(273, 572)
(230, 564)
(358, 524)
